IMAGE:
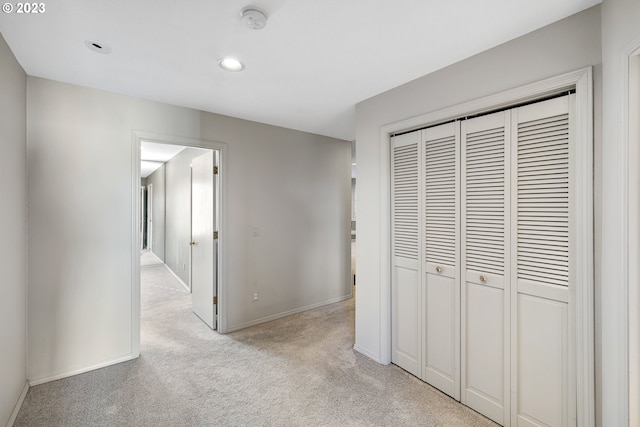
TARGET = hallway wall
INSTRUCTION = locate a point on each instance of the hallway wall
(293, 186)
(13, 228)
(158, 180)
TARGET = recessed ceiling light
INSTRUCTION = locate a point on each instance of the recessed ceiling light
(231, 64)
(98, 46)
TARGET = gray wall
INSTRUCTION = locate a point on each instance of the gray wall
(295, 186)
(565, 46)
(13, 185)
(178, 212)
(157, 178)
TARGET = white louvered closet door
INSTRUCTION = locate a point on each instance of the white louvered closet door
(406, 296)
(485, 239)
(441, 269)
(483, 268)
(541, 251)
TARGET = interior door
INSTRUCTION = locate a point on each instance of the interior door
(406, 312)
(485, 262)
(543, 375)
(441, 338)
(203, 241)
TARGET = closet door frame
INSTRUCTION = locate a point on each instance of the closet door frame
(583, 316)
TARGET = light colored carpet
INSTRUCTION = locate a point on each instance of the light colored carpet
(149, 258)
(296, 371)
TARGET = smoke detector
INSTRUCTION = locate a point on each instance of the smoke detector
(253, 18)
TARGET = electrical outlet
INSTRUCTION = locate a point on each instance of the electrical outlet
(256, 230)
(255, 296)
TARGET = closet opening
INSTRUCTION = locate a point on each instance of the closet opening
(490, 242)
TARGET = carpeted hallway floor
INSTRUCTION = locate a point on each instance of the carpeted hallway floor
(296, 371)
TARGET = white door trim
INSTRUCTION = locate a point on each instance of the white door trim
(136, 138)
(582, 81)
(631, 227)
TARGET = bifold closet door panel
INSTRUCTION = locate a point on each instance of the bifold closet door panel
(406, 292)
(441, 343)
(485, 316)
(542, 365)
(541, 252)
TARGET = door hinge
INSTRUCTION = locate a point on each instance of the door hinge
(215, 170)
(215, 300)
(215, 235)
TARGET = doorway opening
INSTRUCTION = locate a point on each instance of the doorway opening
(353, 217)
(180, 199)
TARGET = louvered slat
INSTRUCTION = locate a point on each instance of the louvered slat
(405, 201)
(543, 200)
(440, 200)
(484, 200)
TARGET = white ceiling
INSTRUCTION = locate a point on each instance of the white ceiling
(306, 70)
(154, 155)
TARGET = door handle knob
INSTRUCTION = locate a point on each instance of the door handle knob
(192, 243)
(438, 269)
(483, 279)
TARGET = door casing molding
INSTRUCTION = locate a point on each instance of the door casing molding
(630, 131)
(584, 316)
(136, 138)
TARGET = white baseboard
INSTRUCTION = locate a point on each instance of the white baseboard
(367, 353)
(38, 381)
(178, 278)
(285, 314)
(16, 408)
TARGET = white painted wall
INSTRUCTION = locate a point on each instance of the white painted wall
(13, 250)
(178, 212)
(157, 179)
(295, 186)
(620, 27)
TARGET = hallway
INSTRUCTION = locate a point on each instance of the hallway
(299, 370)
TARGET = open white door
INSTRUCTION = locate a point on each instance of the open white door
(204, 239)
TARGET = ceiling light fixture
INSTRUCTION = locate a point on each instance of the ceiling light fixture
(231, 64)
(253, 18)
(97, 46)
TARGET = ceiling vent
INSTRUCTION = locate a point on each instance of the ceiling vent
(98, 46)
